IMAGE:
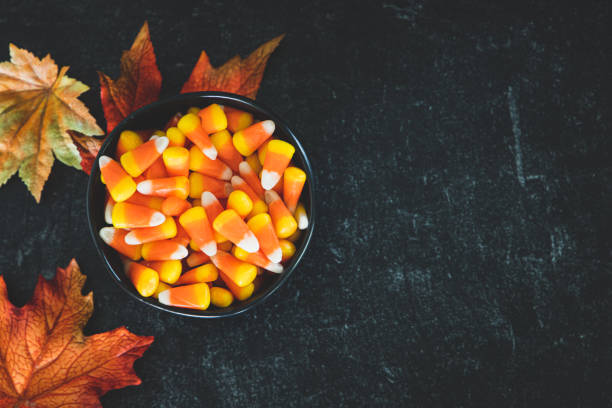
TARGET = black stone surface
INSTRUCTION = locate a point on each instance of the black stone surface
(462, 256)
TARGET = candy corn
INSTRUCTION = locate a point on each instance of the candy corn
(168, 271)
(240, 273)
(237, 119)
(221, 297)
(108, 210)
(115, 238)
(126, 215)
(246, 141)
(181, 238)
(144, 279)
(136, 161)
(262, 227)
(225, 148)
(258, 259)
(165, 187)
(175, 137)
(156, 170)
(249, 175)
(240, 202)
(141, 235)
(204, 273)
(175, 206)
(240, 293)
(202, 164)
(176, 161)
(259, 206)
(146, 201)
(196, 223)
(283, 221)
(253, 161)
(166, 250)
(293, 183)
(207, 189)
(191, 127)
(128, 140)
(288, 249)
(301, 217)
(196, 296)
(230, 225)
(119, 184)
(197, 258)
(199, 183)
(212, 118)
(278, 156)
(160, 288)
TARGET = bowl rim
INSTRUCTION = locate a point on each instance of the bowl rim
(196, 98)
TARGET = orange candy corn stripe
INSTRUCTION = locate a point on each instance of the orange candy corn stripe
(166, 250)
(127, 215)
(191, 127)
(231, 226)
(278, 157)
(165, 187)
(246, 141)
(202, 164)
(118, 183)
(240, 273)
(115, 238)
(284, 223)
(196, 223)
(196, 296)
(293, 183)
(141, 235)
(136, 161)
(263, 228)
(225, 148)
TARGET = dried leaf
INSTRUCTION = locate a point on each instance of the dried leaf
(38, 106)
(240, 76)
(138, 84)
(46, 361)
(88, 149)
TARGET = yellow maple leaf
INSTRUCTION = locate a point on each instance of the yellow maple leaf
(38, 105)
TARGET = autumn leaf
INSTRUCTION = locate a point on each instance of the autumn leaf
(88, 149)
(240, 76)
(46, 361)
(138, 84)
(38, 106)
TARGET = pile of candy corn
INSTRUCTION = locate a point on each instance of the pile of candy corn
(204, 210)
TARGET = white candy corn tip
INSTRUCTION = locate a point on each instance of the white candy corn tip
(210, 249)
(249, 243)
(244, 168)
(180, 253)
(269, 179)
(228, 189)
(157, 218)
(161, 143)
(236, 181)
(154, 137)
(271, 196)
(227, 174)
(276, 256)
(108, 212)
(145, 187)
(131, 239)
(208, 198)
(107, 234)
(274, 267)
(210, 152)
(302, 222)
(268, 126)
(164, 297)
(103, 161)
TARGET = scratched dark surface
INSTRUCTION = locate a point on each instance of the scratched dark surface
(463, 250)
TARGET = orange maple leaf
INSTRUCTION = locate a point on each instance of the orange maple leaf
(239, 76)
(138, 84)
(38, 105)
(46, 361)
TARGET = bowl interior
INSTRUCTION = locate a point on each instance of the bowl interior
(155, 116)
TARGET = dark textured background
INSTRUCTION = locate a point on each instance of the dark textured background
(463, 250)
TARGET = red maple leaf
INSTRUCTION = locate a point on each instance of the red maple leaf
(46, 361)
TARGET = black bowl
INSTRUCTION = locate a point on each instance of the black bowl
(155, 116)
